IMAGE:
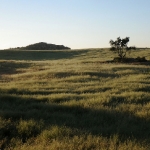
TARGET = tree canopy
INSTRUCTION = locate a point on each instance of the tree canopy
(120, 46)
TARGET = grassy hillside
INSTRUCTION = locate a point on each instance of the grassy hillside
(73, 100)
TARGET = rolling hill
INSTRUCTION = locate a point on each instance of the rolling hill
(42, 46)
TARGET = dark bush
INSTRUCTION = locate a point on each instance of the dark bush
(140, 59)
(117, 59)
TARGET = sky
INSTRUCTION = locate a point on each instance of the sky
(77, 24)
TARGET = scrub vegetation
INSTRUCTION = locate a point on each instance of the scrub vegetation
(73, 100)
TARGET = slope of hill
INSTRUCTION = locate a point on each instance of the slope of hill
(42, 46)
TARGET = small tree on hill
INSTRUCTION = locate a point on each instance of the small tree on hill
(120, 46)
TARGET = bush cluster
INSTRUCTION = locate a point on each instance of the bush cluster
(140, 59)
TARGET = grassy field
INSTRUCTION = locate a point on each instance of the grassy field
(73, 100)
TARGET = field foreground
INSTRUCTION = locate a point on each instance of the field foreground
(70, 100)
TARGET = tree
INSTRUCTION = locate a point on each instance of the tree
(120, 46)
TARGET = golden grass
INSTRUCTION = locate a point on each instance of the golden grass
(73, 100)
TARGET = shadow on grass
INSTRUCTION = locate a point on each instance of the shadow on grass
(17, 91)
(105, 122)
(39, 55)
(135, 69)
(10, 67)
(91, 74)
(116, 101)
(143, 89)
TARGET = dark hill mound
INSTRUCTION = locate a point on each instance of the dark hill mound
(42, 46)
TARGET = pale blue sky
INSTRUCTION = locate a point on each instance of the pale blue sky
(74, 23)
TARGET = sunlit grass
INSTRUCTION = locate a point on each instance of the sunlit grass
(73, 100)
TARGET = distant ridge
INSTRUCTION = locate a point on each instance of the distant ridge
(42, 46)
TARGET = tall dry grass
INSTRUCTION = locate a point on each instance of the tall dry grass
(73, 100)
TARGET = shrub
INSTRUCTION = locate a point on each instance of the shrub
(117, 59)
(140, 59)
